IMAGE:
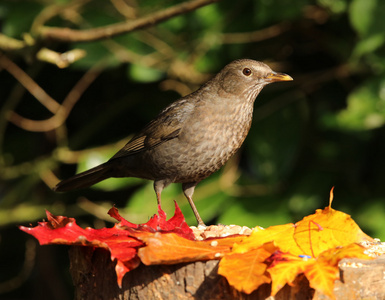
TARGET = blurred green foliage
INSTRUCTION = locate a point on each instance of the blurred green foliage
(324, 129)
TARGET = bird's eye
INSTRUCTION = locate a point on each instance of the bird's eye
(246, 72)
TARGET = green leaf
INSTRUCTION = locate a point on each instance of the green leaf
(144, 74)
(96, 53)
(365, 109)
(266, 12)
(361, 13)
(336, 6)
(367, 16)
(18, 16)
(209, 17)
(368, 45)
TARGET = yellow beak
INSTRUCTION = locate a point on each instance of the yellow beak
(274, 76)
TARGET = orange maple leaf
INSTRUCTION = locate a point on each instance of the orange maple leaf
(171, 249)
(321, 271)
(324, 271)
(321, 276)
(334, 255)
(285, 269)
(247, 271)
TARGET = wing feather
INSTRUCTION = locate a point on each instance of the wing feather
(166, 126)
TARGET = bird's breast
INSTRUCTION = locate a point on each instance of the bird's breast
(203, 146)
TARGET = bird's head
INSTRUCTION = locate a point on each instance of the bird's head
(248, 77)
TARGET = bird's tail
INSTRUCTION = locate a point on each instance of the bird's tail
(85, 179)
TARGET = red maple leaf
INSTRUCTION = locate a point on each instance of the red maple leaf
(121, 240)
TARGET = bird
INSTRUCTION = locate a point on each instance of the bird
(192, 137)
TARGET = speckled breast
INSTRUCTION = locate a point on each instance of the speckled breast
(200, 150)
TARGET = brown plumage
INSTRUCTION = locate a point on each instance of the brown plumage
(192, 137)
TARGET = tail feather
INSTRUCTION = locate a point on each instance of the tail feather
(85, 179)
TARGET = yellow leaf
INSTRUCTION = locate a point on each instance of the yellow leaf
(327, 228)
(282, 235)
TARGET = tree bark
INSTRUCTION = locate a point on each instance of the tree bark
(94, 277)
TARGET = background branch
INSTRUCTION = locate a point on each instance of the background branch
(10, 44)
(46, 100)
(62, 110)
(94, 34)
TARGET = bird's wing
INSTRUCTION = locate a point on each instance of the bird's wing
(166, 126)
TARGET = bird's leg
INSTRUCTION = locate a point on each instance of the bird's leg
(158, 198)
(188, 190)
(159, 185)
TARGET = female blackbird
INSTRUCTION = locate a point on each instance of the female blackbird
(192, 137)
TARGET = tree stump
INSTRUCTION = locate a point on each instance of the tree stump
(94, 277)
